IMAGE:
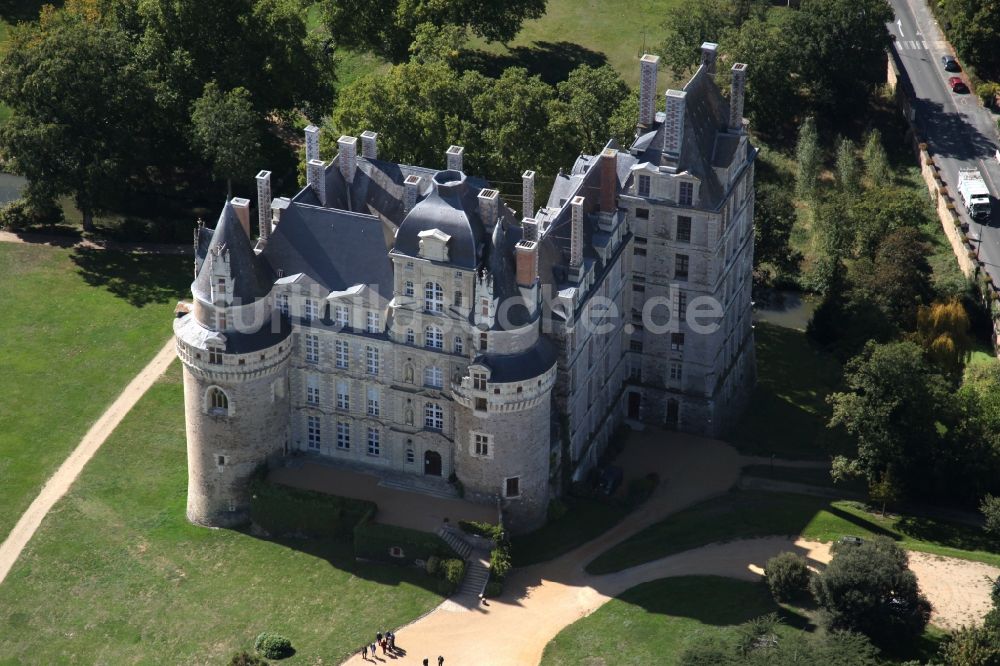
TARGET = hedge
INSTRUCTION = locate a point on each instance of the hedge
(283, 510)
(372, 541)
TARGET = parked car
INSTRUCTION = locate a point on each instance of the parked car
(950, 64)
(851, 540)
(957, 85)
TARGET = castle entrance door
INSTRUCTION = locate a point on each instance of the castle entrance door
(432, 463)
(634, 403)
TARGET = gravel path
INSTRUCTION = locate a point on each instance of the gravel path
(64, 477)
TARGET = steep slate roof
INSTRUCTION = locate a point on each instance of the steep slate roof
(336, 248)
(251, 278)
(452, 207)
(507, 368)
(500, 262)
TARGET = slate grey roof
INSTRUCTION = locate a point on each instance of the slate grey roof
(500, 261)
(452, 207)
(236, 342)
(507, 368)
(336, 248)
(251, 278)
(203, 238)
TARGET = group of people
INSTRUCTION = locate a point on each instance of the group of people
(387, 641)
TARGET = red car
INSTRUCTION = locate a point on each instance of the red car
(957, 85)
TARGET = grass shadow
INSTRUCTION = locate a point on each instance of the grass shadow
(952, 535)
(552, 61)
(140, 279)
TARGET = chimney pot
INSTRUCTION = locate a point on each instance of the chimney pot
(411, 189)
(369, 145)
(736, 93)
(454, 157)
(709, 54)
(312, 143)
(649, 65)
(673, 124)
(609, 180)
(264, 204)
(242, 208)
(528, 193)
(529, 228)
(576, 232)
(489, 207)
(348, 160)
(526, 259)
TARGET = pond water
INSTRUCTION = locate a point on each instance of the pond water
(11, 187)
(789, 309)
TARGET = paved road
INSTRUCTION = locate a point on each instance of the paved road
(958, 130)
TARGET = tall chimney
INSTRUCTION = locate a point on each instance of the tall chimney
(528, 193)
(411, 188)
(316, 177)
(348, 146)
(673, 125)
(312, 143)
(736, 93)
(242, 208)
(264, 204)
(709, 54)
(526, 259)
(648, 67)
(576, 233)
(454, 155)
(489, 207)
(609, 180)
(529, 228)
(369, 145)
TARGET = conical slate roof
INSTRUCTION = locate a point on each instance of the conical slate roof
(251, 279)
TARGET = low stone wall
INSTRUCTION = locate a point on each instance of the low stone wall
(944, 203)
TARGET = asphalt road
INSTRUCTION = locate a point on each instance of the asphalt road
(958, 130)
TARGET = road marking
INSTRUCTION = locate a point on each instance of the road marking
(899, 24)
(924, 45)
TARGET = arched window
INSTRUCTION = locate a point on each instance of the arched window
(433, 337)
(433, 377)
(217, 402)
(433, 297)
(433, 416)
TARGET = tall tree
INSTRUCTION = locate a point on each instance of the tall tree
(878, 173)
(589, 93)
(943, 331)
(79, 102)
(226, 132)
(848, 174)
(388, 27)
(808, 159)
(893, 404)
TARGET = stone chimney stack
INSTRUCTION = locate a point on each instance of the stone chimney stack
(673, 125)
(736, 93)
(312, 143)
(454, 156)
(411, 189)
(709, 54)
(526, 258)
(264, 204)
(648, 68)
(489, 208)
(242, 208)
(316, 177)
(348, 147)
(576, 232)
(529, 228)
(369, 145)
(528, 193)
(609, 180)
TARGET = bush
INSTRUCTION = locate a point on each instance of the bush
(990, 507)
(21, 214)
(450, 574)
(433, 564)
(988, 93)
(273, 646)
(639, 490)
(488, 530)
(787, 576)
(246, 659)
(283, 510)
(500, 561)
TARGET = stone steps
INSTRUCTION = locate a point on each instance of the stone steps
(477, 574)
(439, 490)
(456, 542)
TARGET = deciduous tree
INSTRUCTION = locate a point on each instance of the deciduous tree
(226, 132)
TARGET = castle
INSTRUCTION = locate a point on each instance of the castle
(403, 318)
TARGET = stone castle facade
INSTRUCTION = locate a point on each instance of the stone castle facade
(400, 318)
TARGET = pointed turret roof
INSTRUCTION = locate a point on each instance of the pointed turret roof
(251, 278)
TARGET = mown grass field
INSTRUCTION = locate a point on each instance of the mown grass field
(76, 327)
(748, 514)
(116, 574)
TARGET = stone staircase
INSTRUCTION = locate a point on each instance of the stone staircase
(477, 574)
(456, 542)
(415, 484)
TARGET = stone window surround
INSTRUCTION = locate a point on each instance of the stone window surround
(506, 487)
(474, 441)
(217, 403)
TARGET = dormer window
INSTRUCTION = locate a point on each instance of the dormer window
(685, 193)
(215, 355)
(643, 186)
(341, 315)
(434, 244)
(479, 381)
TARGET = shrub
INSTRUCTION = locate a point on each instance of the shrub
(246, 659)
(20, 214)
(488, 530)
(988, 93)
(451, 573)
(787, 576)
(273, 646)
(990, 508)
(433, 564)
(500, 561)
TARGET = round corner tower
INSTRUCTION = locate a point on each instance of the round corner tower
(235, 352)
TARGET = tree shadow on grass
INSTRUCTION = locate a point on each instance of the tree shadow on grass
(553, 61)
(140, 279)
(868, 526)
(951, 535)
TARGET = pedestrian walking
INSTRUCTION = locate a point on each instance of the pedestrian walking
(392, 641)
(440, 660)
(364, 651)
(373, 651)
(384, 644)
(425, 662)
(378, 637)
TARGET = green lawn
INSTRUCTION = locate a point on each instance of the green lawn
(747, 514)
(76, 327)
(653, 623)
(793, 380)
(809, 476)
(116, 575)
(585, 520)
(588, 31)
